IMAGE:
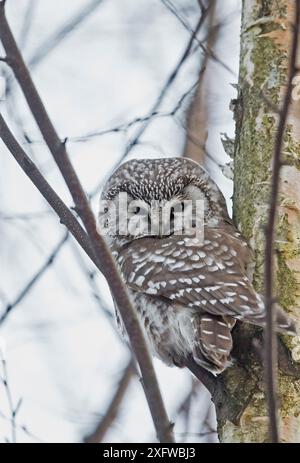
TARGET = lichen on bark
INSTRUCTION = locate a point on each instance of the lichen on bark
(264, 63)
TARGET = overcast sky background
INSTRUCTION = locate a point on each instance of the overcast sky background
(64, 357)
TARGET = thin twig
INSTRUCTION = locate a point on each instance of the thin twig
(36, 277)
(270, 330)
(49, 44)
(52, 42)
(112, 410)
(90, 274)
(124, 128)
(25, 216)
(12, 410)
(65, 215)
(184, 408)
(205, 48)
(170, 80)
(21, 428)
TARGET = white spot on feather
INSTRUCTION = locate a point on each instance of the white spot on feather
(140, 280)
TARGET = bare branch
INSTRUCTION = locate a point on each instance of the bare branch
(58, 149)
(36, 277)
(95, 292)
(62, 33)
(21, 428)
(271, 353)
(112, 411)
(184, 407)
(169, 80)
(123, 128)
(12, 409)
(207, 379)
(49, 44)
(65, 215)
(25, 216)
(207, 49)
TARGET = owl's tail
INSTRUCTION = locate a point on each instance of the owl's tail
(213, 342)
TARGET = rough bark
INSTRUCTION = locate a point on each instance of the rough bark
(265, 46)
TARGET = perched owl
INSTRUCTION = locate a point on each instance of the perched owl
(188, 290)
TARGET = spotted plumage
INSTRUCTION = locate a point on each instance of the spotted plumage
(188, 291)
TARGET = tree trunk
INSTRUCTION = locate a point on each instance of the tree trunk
(264, 59)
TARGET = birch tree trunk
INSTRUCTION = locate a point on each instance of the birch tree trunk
(264, 59)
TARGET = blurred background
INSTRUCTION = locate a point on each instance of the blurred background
(120, 79)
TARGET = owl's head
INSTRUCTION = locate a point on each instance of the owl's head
(150, 193)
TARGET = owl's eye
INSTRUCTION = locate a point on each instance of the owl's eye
(137, 210)
(105, 210)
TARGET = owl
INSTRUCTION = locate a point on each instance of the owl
(188, 288)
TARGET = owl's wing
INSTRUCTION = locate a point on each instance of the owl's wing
(209, 276)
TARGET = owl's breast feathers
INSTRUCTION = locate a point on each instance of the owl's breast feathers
(206, 279)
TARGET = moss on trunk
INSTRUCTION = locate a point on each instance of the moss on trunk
(265, 45)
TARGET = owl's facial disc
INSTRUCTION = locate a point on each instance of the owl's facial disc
(132, 218)
(164, 185)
